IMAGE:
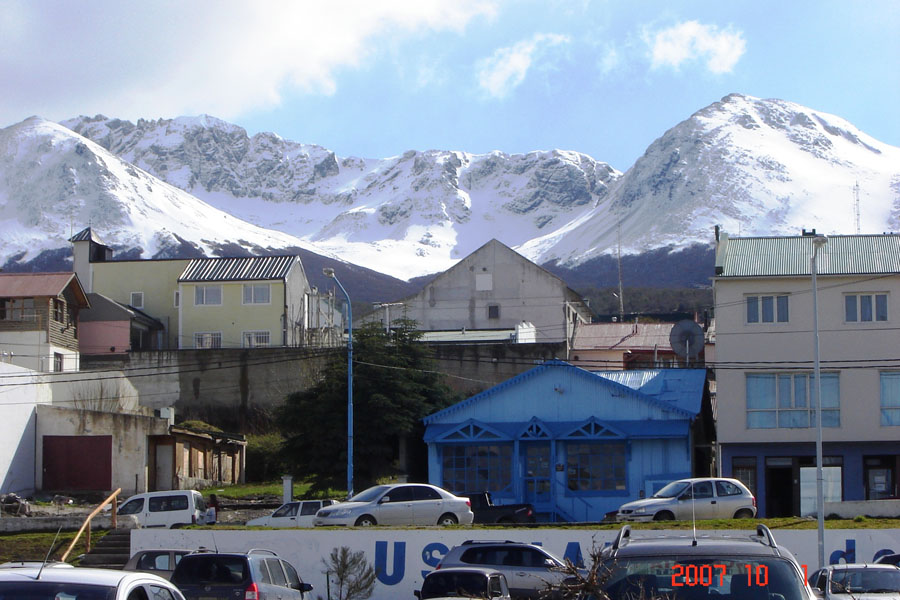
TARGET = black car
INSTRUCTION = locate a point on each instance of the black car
(259, 574)
(740, 567)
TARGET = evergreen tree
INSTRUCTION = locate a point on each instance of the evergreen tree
(394, 387)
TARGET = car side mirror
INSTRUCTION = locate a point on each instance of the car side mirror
(305, 587)
(384, 499)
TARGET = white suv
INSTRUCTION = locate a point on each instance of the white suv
(696, 498)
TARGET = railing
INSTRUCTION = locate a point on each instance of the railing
(87, 524)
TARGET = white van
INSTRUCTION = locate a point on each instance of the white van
(171, 508)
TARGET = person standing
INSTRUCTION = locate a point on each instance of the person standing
(212, 510)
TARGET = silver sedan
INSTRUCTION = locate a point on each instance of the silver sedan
(398, 504)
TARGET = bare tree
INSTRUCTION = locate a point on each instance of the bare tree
(350, 574)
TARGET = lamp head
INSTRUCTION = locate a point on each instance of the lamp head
(820, 240)
(328, 272)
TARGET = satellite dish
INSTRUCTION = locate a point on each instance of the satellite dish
(686, 339)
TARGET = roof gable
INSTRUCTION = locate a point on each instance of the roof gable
(576, 395)
(38, 285)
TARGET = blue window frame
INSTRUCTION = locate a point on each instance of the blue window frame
(788, 400)
(890, 399)
(595, 466)
(475, 468)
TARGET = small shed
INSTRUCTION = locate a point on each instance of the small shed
(574, 443)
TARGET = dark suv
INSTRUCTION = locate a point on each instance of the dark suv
(258, 574)
(529, 569)
(739, 567)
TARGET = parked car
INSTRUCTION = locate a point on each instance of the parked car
(159, 562)
(259, 574)
(399, 504)
(857, 581)
(685, 567)
(888, 559)
(172, 508)
(699, 497)
(528, 568)
(486, 511)
(78, 583)
(464, 582)
(298, 513)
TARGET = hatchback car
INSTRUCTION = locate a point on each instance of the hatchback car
(259, 574)
(529, 569)
(36, 583)
(298, 513)
(686, 567)
(399, 504)
(464, 582)
(859, 581)
(698, 498)
(159, 562)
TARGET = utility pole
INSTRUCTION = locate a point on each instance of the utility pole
(387, 313)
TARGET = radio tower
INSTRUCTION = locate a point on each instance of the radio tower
(856, 205)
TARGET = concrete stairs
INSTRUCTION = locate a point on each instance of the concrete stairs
(112, 551)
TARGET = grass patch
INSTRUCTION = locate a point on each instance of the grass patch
(273, 488)
(34, 546)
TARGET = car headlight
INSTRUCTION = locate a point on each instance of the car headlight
(341, 512)
(640, 511)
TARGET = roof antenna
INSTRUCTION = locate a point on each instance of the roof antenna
(693, 516)
(49, 552)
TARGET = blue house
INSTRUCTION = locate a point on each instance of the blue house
(574, 443)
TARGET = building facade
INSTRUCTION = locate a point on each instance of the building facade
(765, 359)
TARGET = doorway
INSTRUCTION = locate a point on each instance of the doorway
(779, 487)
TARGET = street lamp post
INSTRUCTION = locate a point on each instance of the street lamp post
(818, 242)
(328, 272)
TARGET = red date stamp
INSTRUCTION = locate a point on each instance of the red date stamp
(707, 575)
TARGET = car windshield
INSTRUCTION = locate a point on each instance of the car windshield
(44, 590)
(865, 581)
(370, 494)
(465, 585)
(677, 577)
(671, 490)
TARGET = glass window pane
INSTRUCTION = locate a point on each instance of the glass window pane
(865, 308)
(752, 309)
(831, 392)
(198, 295)
(214, 294)
(800, 393)
(262, 294)
(248, 294)
(782, 309)
(764, 419)
(850, 308)
(784, 391)
(760, 391)
(881, 307)
(768, 309)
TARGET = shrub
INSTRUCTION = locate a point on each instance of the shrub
(263, 457)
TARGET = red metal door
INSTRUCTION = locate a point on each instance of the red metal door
(77, 462)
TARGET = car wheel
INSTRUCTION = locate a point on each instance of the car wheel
(365, 521)
(664, 515)
(448, 519)
(744, 513)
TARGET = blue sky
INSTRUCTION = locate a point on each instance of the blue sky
(375, 79)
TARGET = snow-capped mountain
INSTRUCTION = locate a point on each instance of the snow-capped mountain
(408, 215)
(54, 182)
(200, 185)
(755, 167)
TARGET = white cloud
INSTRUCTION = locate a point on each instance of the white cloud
(691, 40)
(223, 57)
(506, 68)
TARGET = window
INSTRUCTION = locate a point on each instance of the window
(209, 295)
(57, 362)
(255, 339)
(137, 299)
(167, 503)
(597, 467)
(310, 508)
(861, 308)
(59, 311)
(176, 302)
(788, 400)
(471, 468)
(493, 311)
(767, 309)
(288, 510)
(208, 339)
(726, 488)
(256, 293)
(890, 399)
(701, 489)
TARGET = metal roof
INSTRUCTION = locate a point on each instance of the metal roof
(622, 336)
(789, 256)
(37, 285)
(85, 235)
(245, 268)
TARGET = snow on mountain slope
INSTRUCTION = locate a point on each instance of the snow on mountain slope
(54, 182)
(408, 215)
(755, 167)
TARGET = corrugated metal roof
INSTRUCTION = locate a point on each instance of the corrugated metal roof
(789, 256)
(681, 387)
(245, 268)
(85, 235)
(622, 336)
(32, 285)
